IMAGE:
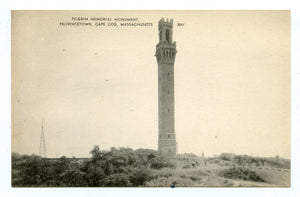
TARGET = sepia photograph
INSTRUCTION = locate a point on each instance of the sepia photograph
(150, 98)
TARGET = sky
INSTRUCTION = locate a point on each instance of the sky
(96, 85)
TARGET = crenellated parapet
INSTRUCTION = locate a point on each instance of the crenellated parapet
(165, 53)
(166, 48)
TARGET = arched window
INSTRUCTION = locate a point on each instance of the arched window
(160, 36)
(167, 35)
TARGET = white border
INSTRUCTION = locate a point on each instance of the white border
(5, 104)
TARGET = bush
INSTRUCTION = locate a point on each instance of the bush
(167, 182)
(140, 178)
(241, 174)
(157, 161)
(226, 156)
(187, 166)
(194, 178)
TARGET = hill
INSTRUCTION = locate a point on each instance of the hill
(125, 167)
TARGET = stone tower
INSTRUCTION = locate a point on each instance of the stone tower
(165, 56)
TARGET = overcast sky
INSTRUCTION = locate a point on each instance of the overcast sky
(98, 85)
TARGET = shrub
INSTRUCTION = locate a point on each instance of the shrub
(241, 174)
(194, 178)
(140, 178)
(226, 156)
(167, 182)
(187, 166)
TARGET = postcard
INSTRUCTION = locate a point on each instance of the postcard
(158, 98)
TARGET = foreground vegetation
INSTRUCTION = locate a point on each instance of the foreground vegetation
(125, 167)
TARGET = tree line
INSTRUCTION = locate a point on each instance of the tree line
(118, 167)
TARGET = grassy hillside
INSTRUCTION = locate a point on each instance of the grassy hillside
(124, 167)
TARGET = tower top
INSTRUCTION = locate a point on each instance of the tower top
(166, 48)
(167, 23)
(165, 29)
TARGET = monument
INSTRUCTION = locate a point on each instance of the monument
(165, 56)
